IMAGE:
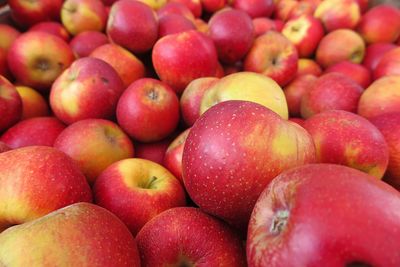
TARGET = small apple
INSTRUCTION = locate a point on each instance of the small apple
(85, 42)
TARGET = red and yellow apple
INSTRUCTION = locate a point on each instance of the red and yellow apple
(33, 103)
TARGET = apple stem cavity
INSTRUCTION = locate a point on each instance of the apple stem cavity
(279, 221)
(42, 64)
(152, 94)
(150, 183)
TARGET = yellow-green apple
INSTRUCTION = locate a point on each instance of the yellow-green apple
(283, 9)
(248, 86)
(374, 53)
(173, 23)
(154, 151)
(212, 6)
(89, 88)
(94, 144)
(136, 33)
(295, 90)
(40, 131)
(10, 104)
(51, 27)
(255, 8)
(186, 236)
(305, 32)
(331, 91)
(273, 55)
(173, 156)
(299, 220)
(126, 64)
(154, 4)
(35, 181)
(194, 6)
(36, 59)
(180, 58)
(338, 14)
(380, 24)
(389, 125)
(358, 73)
(345, 138)
(33, 103)
(4, 147)
(232, 32)
(136, 190)
(308, 66)
(8, 34)
(84, 43)
(177, 9)
(83, 15)
(148, 110)
(233, 151)
(262, 25)
(190, 100)
(382, 96)
(81, 234)
(340, 45)
(26, 13)
(388, 65)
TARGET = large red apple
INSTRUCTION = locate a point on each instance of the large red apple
(10, 104)
(84, 43)
(325, 215)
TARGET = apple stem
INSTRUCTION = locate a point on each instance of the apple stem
(152, 180)
(279, 221)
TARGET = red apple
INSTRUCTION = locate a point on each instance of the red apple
(344, 138)
(295, 90)
(389, 64)
(356, 72)
(187, 236)
(173, 23)
(374, 53)
(10, 104)
(51, 27)
(40, 131)
(212, 6)
(308, 66)
(255, 8)
(90, 88)
(8, 34)
(177, 9)
(298, 220)
(123, 185)
(33, 103)
(84, 43)
(194, 6)
(37, 180)
(273, 55)
(154, 151)
(263, 25)
(136, 33)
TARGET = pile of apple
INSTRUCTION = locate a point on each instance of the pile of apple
(200, 133)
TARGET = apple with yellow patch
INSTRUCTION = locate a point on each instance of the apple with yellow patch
(308, 66)
(33, 103)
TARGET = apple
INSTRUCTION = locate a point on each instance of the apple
(389, 64)
(308, 66)
(247, 86)
(295, 91)
(194, 6)
(136, 190)
(302, 8)
(173, 156)
(212, 6)
(298, 220)
(89, 88)
(10, 104)
(283, 9)
(345, 138)
(201, 25)
(186, 236)
(154, 151)
(84, 43)
(35, 181)
(36, 59)
(338, 14)
(136, 33)
(40, 131)
(4, 147)
(232, 32)
(177, 9)
(180, 58)
(382, 96)
(154, 4)
(233, 151)
(4, 71)
(358, 73)
(374, 53)
(305, 32)
(148, 110)
(33, 103)
(340, 45)
(126, 64)
(52, 27)
(255, 8)
(81, 234)
(331, 91)
(8, 34)
(273, 55)
(380, 24)
(94, 144)
(173, 23)
(263, 25)
(83, 15)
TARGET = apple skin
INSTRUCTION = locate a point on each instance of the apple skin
(232, 32)
(186, 236)
(4, 147)
(8, 34)
(194, 6)
(4, 71)
(154, 151)
(126, 64)
(52, 27)
(36, 180)
(358, 73)
(33, 103)
(382, 96)
(225, 154)
(302, 8)
(81, 234)
(40, 131)
(295, 90)
(89, 88)
(283, 9)
(136, 33)
(305, 32)
(299, 121)
(180, 58)
(212, 6)
(177, 9)
(380, 24)
(340, 45)
(262, 25)
(332, 91)
(36, 59)
(345, 138)
(10, 104)
(273, 55)
(173, 23)
(255, 9)
(374, 53)
(338, 14)
(308, 66)
(94, 144)
(84, 43)
(136, 190)
(388, 65)
(308, 205)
